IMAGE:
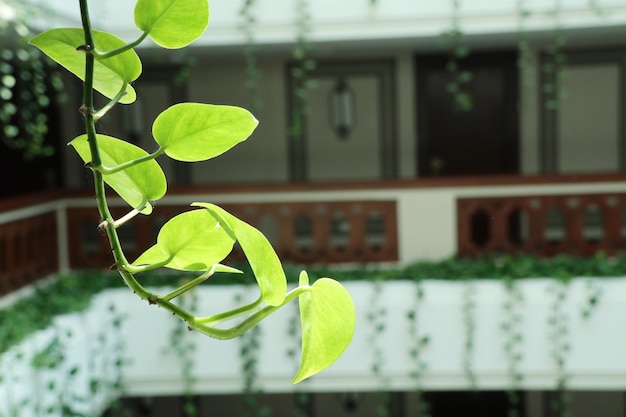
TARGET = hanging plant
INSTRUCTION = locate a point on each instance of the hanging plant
(376, 316)
(184, 348)
(525, 63)
(252, 71)
(511, 325)
(30, 86)
(469, 323)
(419, 343)
(300, 71)
(554, 63)
(593, 293)
(558, 325)
(301, 399)
(452, 42)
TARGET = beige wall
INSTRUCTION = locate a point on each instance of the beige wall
(588, 127)
(587, 123)
(219, 81)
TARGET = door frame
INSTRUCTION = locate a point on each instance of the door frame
(384, 71)
(508, 59)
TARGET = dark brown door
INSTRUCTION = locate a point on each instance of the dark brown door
(479, 141)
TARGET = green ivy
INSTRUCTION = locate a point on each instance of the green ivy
(198, 240)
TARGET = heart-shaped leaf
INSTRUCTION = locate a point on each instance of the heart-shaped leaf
(172, 23)
(138, 184)
(109, 74)
(192, 241)
(328, 318)
(196, 132)
(259, 252)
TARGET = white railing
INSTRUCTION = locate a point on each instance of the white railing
(551, 315)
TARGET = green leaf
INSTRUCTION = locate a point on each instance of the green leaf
(137, 185)
(109, 74)
(265, 264)
(191, 241)
(328, 319)
(196, 132)
(172, 23)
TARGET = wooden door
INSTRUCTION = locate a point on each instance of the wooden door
(480, 141)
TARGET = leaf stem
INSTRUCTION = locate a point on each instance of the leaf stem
(191, 284)
(112, 170)
(108, 54)
(249, 322)
(228, 315)
(104, 110)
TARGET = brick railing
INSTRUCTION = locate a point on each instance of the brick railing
(311, 232)
(545, 225)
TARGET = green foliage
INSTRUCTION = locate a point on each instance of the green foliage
(324, 311)
(182, 130)
(110, 74)
(200, 239)
(30, 87)
(137, 185)
(172, 23)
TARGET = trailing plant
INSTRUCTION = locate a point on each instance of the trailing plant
(525, 63)
(304, 64)
(468, 307)
(555, 61)
(416, 349)
(184, 347)
(301, 399)
(452, 42)
(593, 293)
(558, 325)
(29, 87)
(198, 240)
(511, 325)
(253, 73)
(249, 346)
(376, 316)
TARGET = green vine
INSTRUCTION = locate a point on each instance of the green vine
(304, 64)
(469, 323)
(525, 63)
(30, 86)
(511, 326)
(252, 71)
(452, 42)
(183, 346)
(301, 399)
(593, 293)
(376, 316)
(558, 325)
(198, 240)
(249, 346)
(554, 63)
(419, 343)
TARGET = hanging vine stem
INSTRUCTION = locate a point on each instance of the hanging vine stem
(184, 348)
(419, 343)
(249, 346)
(252, 71)
(469, 324)
(301, 399)
(593, 293)
(511, 326)
(525, 56)
(452, 41)
(376, 317)
(553, 66)
(558, 325)
(304, 64)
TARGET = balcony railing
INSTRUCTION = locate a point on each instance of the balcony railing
(574, 224)
(311, 232)
(358, 223)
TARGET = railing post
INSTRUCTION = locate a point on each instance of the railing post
(62, 237)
